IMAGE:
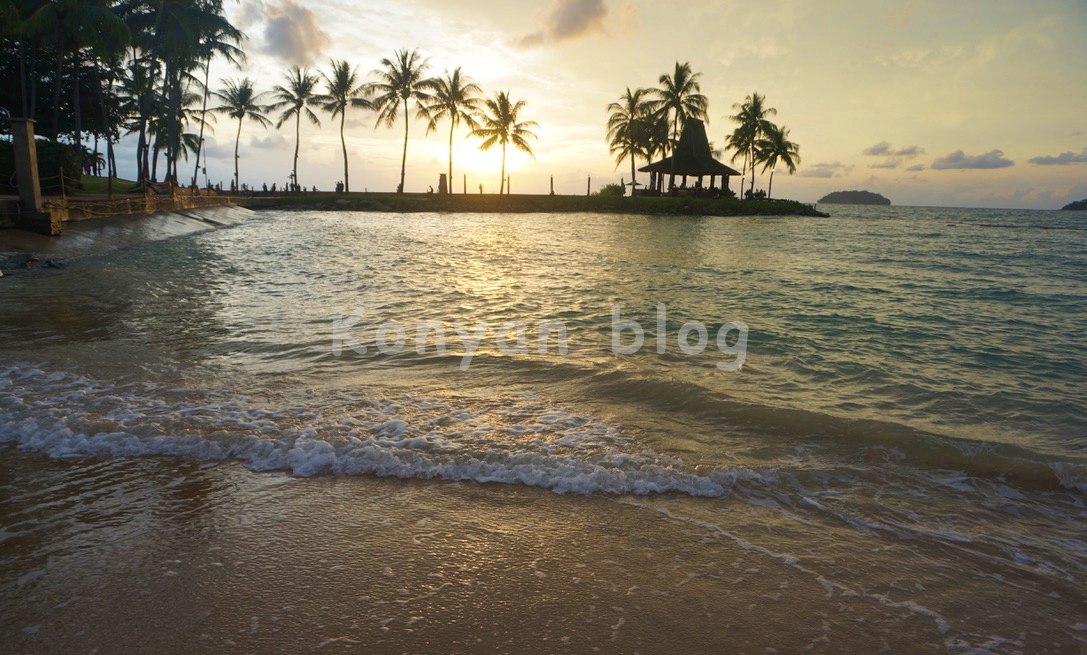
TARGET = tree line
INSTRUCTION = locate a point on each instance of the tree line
(645, 123)
(105, 69)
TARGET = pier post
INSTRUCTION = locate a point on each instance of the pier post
(32, 214)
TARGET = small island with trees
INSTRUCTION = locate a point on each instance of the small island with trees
(854, 198)
(1078, 205)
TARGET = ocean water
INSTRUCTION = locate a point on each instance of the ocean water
(888, 410)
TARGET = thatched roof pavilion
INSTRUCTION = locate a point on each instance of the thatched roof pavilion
(692, 158)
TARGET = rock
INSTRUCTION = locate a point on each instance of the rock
(16, 261)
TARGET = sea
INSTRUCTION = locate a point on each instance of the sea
(378, 432)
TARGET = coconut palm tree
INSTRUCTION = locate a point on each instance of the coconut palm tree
(400, 81)
(455, 97)
(775, 147)
(175, 34)
(241, 101)
(342, 90)
(221, 40)
(629, 128)
(679, 97)
(498, 123)
(753, 124)
(295, 99)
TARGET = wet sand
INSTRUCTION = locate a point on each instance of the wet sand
(165, 556)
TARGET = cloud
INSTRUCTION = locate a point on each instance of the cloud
(272, 141)
(915, 168)
(825, 169)
(909, 151)
(1062, 159)
(884, 149)
(880, 149)
(890, 163)
(568, 19)
(290, 31)
(961, 160)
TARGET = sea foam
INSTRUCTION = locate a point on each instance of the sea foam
(513, 441)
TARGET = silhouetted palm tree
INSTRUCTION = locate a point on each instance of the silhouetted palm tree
(630, 128)
(241, 101)
(679, 96)
(220, 41)
(455, 97)
(342, 89)
(498, 123)
(751, 115)
(776, 147)
(295, 100)
(400, 81)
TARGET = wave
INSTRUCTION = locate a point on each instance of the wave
(452, 438)
(513, 440)
(857, 440)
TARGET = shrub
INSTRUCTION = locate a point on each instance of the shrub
(52, 157)
(613, 190)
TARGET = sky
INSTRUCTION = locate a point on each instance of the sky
(978, 103)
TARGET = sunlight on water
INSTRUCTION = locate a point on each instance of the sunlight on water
(910, 398)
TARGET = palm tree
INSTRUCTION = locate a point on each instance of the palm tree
(176, 34)
(456, 97)
(342, 89)
(679, 96)
(776, 147)
(751, 116)
(221, 40)
(498, 124)
(241, 101)
(295, 100)
(629, 128)
(400, 81)
(71, 26)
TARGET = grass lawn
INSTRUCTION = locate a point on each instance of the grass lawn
(96, 184)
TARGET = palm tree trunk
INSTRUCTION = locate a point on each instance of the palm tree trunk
(54, 132)
(632, 180)
(343, 144)
(672, 173)
(449, 180)
(404, 157)
(770, 187)
(297, 141)
(502, 184)
(141, 148)
(237, 140)
(203, 117)
(752, 171)
(77, 118)
(109, 136)
(22, 78)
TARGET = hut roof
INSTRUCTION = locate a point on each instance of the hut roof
(693, 156)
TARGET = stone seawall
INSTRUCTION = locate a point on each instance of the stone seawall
(57, 212)
(21, 249)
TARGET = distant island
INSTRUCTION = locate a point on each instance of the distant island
(1079, 205)
(854, 198)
